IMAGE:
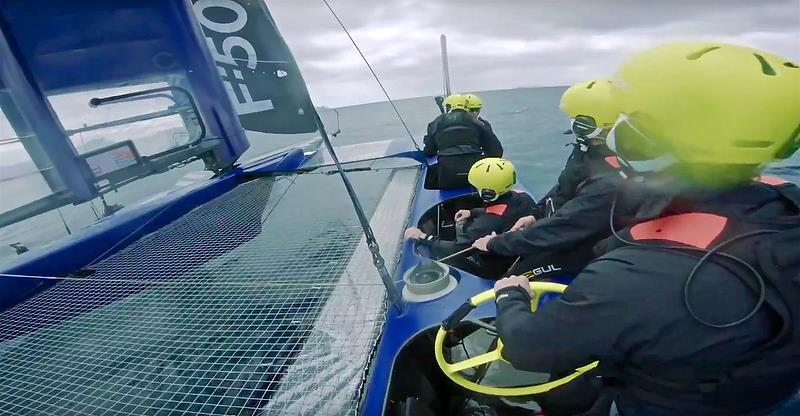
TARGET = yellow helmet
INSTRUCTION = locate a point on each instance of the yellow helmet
(707, 104)
(591, 106)
(492, 177)
(474, 103)
(455, 102)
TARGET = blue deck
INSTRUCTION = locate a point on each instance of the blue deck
(418, 317)
(92, 245)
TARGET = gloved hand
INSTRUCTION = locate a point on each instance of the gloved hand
(523, 222)
(462, 215)
(482, 243)
(510, 281)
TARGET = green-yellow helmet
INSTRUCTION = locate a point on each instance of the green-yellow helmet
(707, 104)
(474, 103)
(455, 102)
(492, 177)
(591, 106)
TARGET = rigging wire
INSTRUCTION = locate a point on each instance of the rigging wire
(285, 191)
(132, 233)
(63, 221)
(369, 236)
(380, 84)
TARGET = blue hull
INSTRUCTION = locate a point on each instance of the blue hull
(114, 234)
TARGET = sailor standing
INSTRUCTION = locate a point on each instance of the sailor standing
(459, 140)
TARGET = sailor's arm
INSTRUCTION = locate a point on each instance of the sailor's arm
(490, 143)
(477, 212)
(580, 218)
(582, 326)
(484, 225)
(438, 246)
(430, 149)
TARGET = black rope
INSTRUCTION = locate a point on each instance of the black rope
(380, 84)
(762, 289)
(372, 243)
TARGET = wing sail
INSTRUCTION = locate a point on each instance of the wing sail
(256, 66)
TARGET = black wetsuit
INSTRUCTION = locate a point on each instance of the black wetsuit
(627, 310)
(497, 216)
(488, 126)
(584, 162)
(562, 242)
(460, 142)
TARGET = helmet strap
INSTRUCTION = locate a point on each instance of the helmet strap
(489, 195)
(581, 143)
(585, 126)
(595, 134)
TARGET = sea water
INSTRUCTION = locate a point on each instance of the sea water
(527, 121)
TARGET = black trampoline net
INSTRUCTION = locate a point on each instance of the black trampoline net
(263, 301)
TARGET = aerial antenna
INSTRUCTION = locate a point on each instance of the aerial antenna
(63, 221)
(338, 126)
(445, 66)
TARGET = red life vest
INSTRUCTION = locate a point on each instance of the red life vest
(703, 230)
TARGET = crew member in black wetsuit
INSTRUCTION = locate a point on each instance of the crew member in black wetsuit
(459, 140)
(474, 107)
(494, 179)
(588, 104)
(573, 216)
(695, 309)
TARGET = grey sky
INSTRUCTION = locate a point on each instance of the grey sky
(507, 43)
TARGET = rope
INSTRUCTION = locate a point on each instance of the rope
(458, 253)
(380, 84)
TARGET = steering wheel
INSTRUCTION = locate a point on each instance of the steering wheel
(453, 370)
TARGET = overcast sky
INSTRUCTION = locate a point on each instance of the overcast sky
(507, 43)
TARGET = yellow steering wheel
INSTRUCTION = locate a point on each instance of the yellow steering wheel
(453, 370)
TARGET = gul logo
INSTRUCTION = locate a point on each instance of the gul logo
(215, 17)
(545, 269)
